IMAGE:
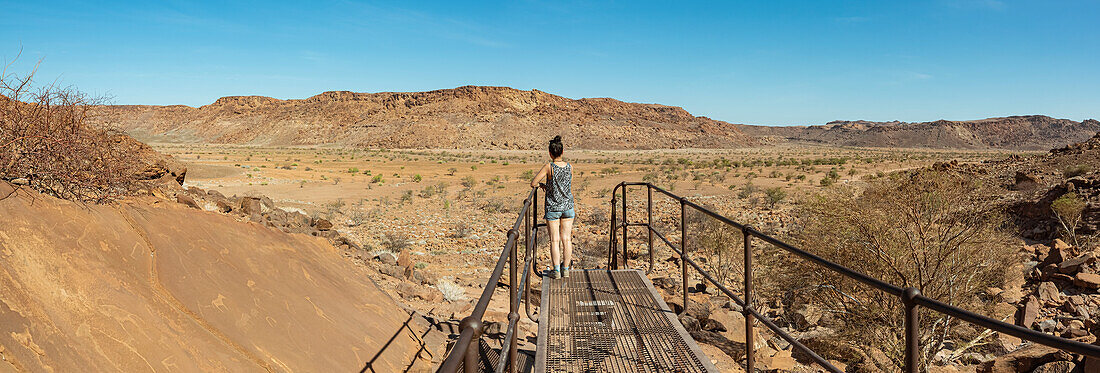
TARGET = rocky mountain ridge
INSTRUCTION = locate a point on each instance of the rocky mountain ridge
(464, 117)
(1030, 132)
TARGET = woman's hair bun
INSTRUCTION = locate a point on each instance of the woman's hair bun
(556, 139)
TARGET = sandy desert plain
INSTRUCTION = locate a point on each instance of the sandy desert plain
(450, 209)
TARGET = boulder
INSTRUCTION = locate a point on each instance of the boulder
(1025, 181)
(267, 202)
(321, 224)
(1029, 312)
(1048, 293)
(1073, 265)
(1055, 367)
(1061, 245)
(780, 361)
(297, 219)
(691, 324)
(387, 258)
(666, 283)
(215, 194)
(250, 206)
(409, 290)
(188, 201)
(1087, 280)
(734, 325)
(20, 181)
(1023, 360)
(1007, 343)
(806, 315)
(392, 271)
(404, 259)
(223, 205)
(425, 277)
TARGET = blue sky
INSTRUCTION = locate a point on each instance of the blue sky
(759, 62)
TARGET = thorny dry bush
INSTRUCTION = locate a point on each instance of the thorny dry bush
(719, 246)
(928, 230)
(46, 138)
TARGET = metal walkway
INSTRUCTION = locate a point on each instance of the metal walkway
(611, 321)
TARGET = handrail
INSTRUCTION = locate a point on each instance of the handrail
(910, 297)
(465, 350)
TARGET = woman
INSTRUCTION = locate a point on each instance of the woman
(559, 207)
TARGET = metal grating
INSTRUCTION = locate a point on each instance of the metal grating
(611, 321)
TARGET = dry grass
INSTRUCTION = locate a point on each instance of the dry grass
(45, 138)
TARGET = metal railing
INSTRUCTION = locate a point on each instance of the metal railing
(910, 297)
(465, 352)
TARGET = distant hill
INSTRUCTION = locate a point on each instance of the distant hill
(1032, 132)
(465, 117)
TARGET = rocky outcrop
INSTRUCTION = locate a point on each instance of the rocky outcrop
(1032, 132)
(146, 284)
(464, 117)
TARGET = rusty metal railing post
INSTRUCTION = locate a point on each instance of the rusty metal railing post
(612, 246)
(529, 253)
(625, 225)
(513, 306)
(649, 222)
(683, 253)
(912, 349)
(750, 353)
(535, 225)
(471, 357)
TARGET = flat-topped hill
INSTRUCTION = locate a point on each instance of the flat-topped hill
(465, 117)
(1032, 132)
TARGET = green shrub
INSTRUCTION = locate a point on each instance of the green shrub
(1077, 170)
(775, 195)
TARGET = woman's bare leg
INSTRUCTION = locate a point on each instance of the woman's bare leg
(567, 241)
(555, 241)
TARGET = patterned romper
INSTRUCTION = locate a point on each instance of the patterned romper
(559, 192)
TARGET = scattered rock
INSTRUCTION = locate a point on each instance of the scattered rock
(666, 283)
(1047, 326)
(781, 361)
(186, 200)
(392, 271)
(806, 315)
(1008, 343)
(1030, 311)
(1073, 265)
(1061, 245)
(267, 202)
(404, 259)
(1025, 181)
(224, 206)
(321, 224)
(387, 258)
(1049, 294)
(1087, 280)
(250, 206)
(1055, 367)
(1023, 360)
(20, 181)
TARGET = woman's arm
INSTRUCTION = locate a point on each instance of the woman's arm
(540, 176)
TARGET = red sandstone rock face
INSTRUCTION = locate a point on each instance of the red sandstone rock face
(465, 117)
(146, 284)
